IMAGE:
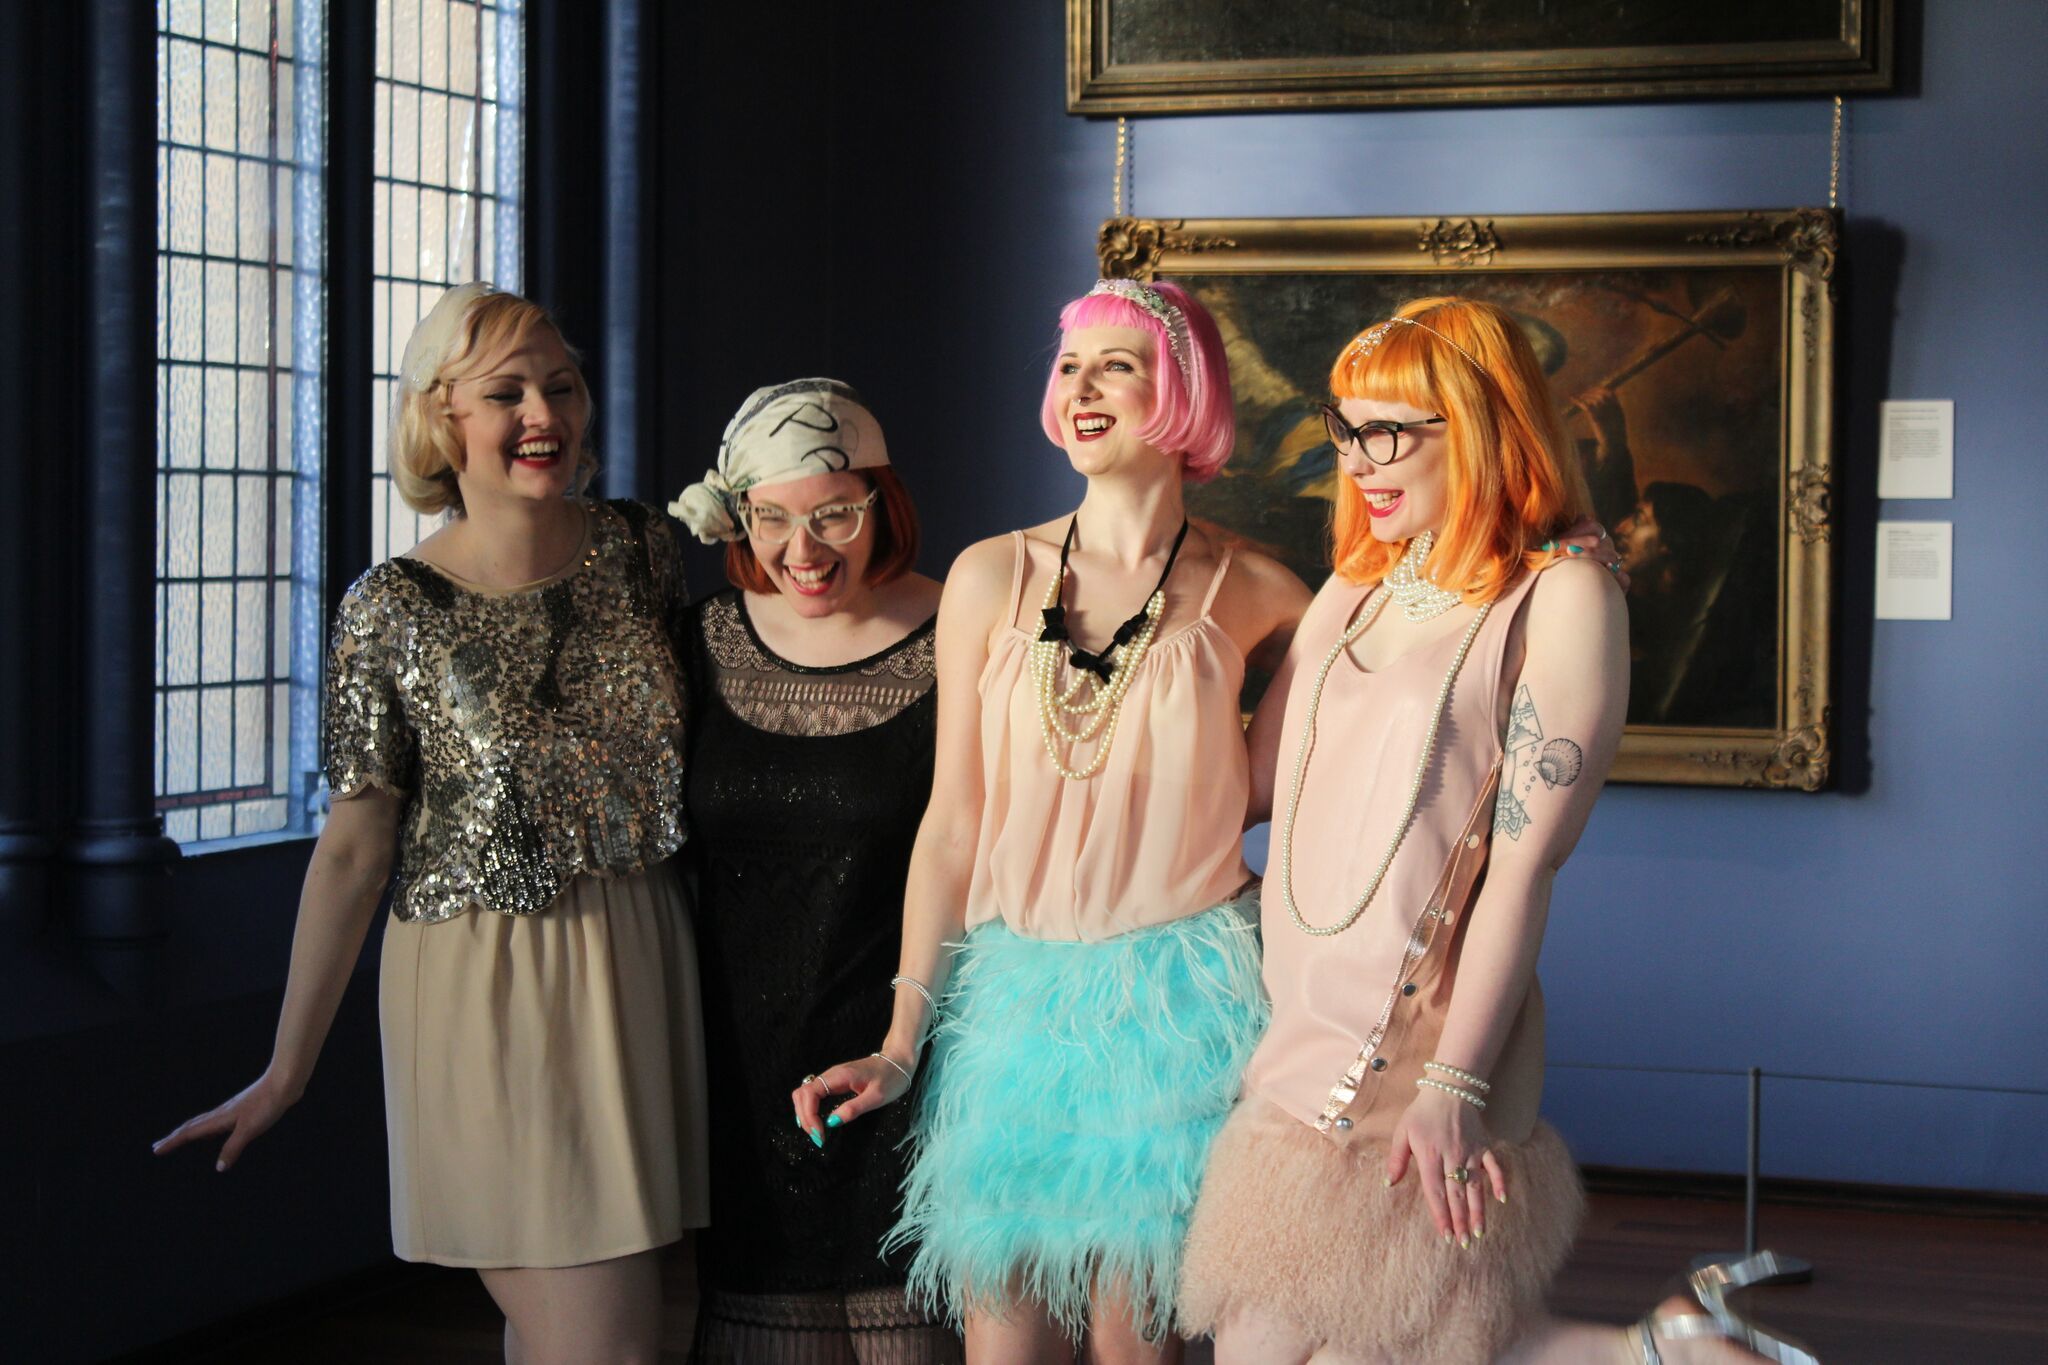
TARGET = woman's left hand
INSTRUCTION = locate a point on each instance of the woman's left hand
(1440, 1134)
(1589, 538)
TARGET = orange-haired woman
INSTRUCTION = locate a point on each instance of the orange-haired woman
(1384, 1190)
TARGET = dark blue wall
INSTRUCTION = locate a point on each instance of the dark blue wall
(1891, 930)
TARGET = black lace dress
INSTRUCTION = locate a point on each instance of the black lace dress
(806, 786)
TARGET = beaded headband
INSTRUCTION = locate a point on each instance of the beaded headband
(1165, 314)
(1369, 340)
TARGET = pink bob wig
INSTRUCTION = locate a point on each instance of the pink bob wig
(1195, 418)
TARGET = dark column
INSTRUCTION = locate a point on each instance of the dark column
(587, 68)
(34, 599)
(120, 854)
(351, 113)
(626, 65)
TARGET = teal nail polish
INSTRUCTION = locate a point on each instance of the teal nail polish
(1550, 545)
(817, 1139)
(1578, 549)
(832, 1122)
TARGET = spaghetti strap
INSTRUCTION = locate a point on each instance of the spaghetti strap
(1017, 576)
(1222, 568)
(1516, 600)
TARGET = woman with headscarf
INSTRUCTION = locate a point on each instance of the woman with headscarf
(812, 719)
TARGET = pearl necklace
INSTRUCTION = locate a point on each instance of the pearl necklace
(1103, 702)
(1308, 736)
(1417, 594)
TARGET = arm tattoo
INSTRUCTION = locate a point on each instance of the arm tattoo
(1556, 763)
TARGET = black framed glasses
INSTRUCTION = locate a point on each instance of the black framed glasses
(1380, 442)
(836, 523)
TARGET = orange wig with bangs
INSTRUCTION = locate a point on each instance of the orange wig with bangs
(1512, 484)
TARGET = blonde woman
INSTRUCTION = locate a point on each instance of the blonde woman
(504, 714)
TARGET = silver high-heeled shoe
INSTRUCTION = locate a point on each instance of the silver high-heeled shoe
(1710, 1287)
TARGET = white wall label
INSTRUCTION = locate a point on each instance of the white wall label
(1915, 569)
(1916, 449)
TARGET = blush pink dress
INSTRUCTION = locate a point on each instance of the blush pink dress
(1295, 1218)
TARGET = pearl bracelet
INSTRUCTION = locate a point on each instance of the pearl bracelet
(1464, 1095)
(1455, 1074)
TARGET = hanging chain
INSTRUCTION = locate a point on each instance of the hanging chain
(1123, 151)
(1835, 159)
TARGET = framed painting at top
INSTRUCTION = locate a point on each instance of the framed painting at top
(1692, 355)
(1185, 56)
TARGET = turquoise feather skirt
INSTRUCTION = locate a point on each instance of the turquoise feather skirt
(1073, 1091)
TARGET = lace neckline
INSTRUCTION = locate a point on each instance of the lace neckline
(739, 604)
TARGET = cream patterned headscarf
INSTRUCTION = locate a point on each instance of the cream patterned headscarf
(781, 433)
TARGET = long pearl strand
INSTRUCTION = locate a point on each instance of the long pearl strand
(1308, 737)
(1103, 702)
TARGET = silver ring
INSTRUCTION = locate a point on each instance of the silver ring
(1460, 1174)
(813, 1080)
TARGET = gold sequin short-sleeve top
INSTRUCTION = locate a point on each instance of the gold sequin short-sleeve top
(534, 733)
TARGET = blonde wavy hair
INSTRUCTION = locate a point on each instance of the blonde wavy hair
(426, 444)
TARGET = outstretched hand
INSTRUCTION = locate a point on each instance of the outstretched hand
(868, 1083)
(244, 1118)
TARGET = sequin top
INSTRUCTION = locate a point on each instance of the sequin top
(535, 733)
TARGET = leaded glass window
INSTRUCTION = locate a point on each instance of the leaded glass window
(239, 214)
(450, 103)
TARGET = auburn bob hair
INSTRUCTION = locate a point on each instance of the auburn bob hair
(1512, 486)
(896, 538)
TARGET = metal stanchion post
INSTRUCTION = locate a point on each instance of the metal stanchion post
(1793, 1270)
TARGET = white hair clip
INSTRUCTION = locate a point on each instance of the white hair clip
(427, 351)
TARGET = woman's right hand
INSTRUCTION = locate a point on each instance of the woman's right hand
(868, 1083)
(244, 1118)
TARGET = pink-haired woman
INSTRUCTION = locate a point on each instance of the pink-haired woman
(1081, 854)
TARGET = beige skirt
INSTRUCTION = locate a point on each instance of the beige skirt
(1294, 1227)
(544, 1079)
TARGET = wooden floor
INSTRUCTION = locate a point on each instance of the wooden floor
(1907, 1287)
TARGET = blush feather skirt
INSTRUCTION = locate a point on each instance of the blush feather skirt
(1074, 1092)
(1294, 1227)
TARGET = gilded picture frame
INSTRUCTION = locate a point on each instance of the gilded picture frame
(1206, 56)
(1693, 357)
